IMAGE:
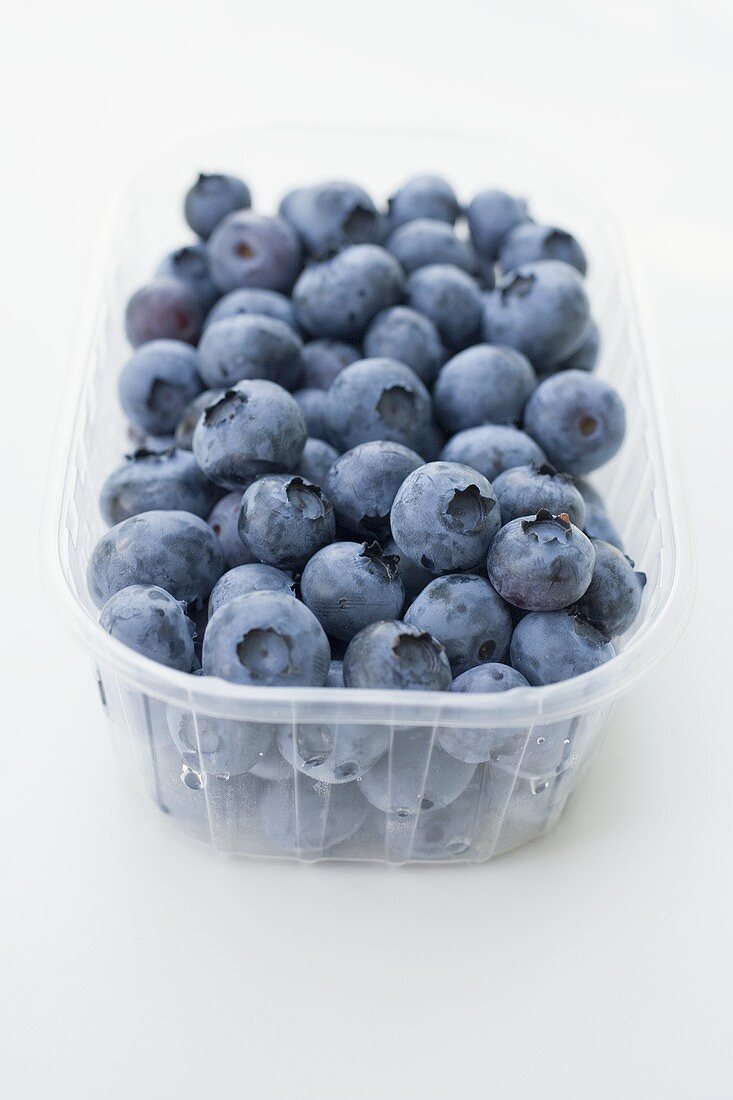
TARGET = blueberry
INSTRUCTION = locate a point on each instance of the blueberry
(492, 448)
(157, 383)
(330, 216)
(466, 615)
(586, 357)
(266, 638)
(549, 646)
(363, 482)
(415, 775)
(340, 296)
(376, 399)
(483, 385)
(243, 579)
(335, 676)
(414, 577)
(541, 309)
(491, 215)
(211, 198)
(335, 753)
(248, 300)
(578, 420)
(393, 654)
(251, 250)
(529, 242)
(475, 746)
(612, 600)
(308, 816)
(157, 480)
(224, 520)
(541, 564)
(317, 459)
(408, 336)
(310, 403)
(191, 416)
(175, 550)
(190, 264)
(427, 241)
(423, 197)
(218, 746)
(285, 520)
(255, 428)
(444, 517)
(150, 621)
(323, 360)
(164, 309)
(348, 585)
(524, 490)
(450, 298)
(249, 346)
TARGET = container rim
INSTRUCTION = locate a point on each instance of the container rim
(522, 706)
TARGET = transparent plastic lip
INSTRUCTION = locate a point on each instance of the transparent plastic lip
(675, 587)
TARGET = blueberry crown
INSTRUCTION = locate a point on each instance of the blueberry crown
(223, 407)
(373, 552)
(141, 453)
(518, 285)
(591, 629)
(543, 516)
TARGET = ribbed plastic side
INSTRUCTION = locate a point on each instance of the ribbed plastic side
(181, 758)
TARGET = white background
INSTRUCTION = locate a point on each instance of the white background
(594, 963)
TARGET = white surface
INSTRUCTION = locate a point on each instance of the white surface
(596, 962)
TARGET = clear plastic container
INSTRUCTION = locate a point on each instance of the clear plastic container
(190, 737)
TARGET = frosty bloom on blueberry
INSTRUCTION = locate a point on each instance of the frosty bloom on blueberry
(157, 383)
(468, 618)
(285, 520)
(253, 429)
(249, 250)
(339, 297)
(444, 517)
(149, 620)
(211, 198)
(429, 241)
(541, 563)
(348, 585)
(423, 197)
(329, 216)
(152, 480)
(266, 637)
(251, 577)
(249, 346)
(541, 309)
(376, 399)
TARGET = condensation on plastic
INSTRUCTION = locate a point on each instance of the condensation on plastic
(552, 732)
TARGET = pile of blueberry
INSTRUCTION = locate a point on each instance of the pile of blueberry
(362, 441)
